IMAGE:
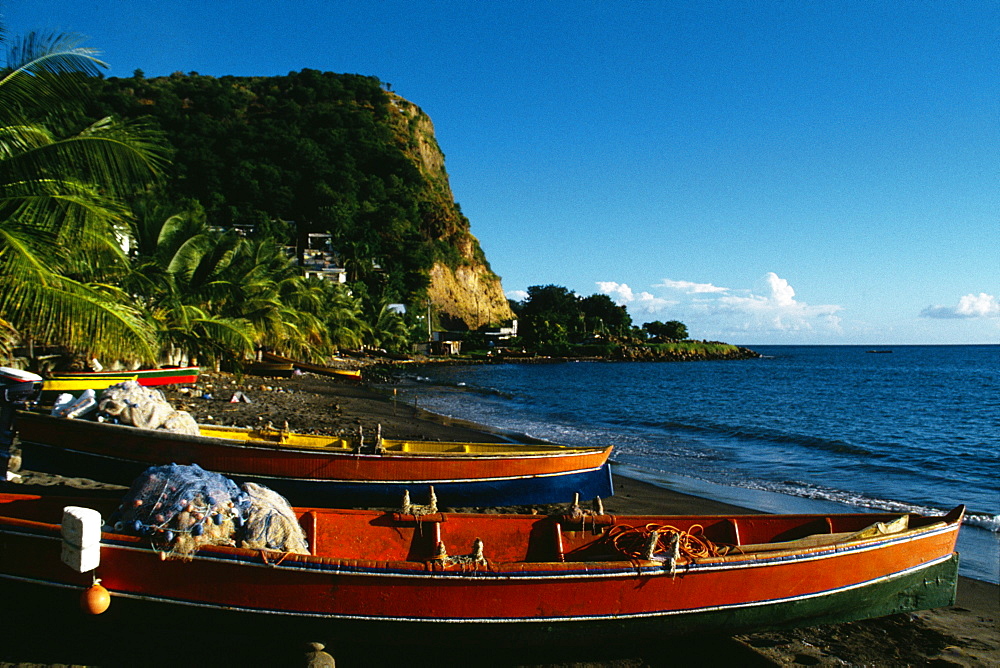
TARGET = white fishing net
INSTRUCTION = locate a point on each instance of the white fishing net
(130, 403)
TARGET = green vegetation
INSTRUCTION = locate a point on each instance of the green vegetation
(148, 220)
(63, 188)
(672, 330)
(309, 152)
(705, 348)
(108, 250)
(555, 321)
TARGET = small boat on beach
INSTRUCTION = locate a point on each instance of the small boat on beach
(75, 382)
(321, 369)
(179, 375)
(493, 580)
(322, 470)
(54, 386)
(272, 369)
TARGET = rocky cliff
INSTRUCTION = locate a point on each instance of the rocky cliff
(322, 153)
(464, 292)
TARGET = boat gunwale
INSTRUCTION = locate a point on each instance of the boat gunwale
(268, 446)
(373, 482)
(495, 571)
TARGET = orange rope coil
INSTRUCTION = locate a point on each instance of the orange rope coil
(633, 542)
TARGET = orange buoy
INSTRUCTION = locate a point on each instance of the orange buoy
(95, 599)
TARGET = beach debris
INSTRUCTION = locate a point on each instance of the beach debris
(68, 406)
(239, 396)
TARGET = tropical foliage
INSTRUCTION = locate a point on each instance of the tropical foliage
(553, 319)
(63, 185)
(102, 253)
(309, 152)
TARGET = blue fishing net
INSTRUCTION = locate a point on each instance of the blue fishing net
(181, 508)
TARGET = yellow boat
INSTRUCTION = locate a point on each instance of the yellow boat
(353, 374)
(53, 387)
(294, 439)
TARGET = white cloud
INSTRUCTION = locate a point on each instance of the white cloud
(781, 292)
(689, 287)
(778, 310)
(969, 306)
(517, 295)
(622, 294)
(771, 307)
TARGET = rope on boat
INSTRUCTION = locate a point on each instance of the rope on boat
(650, 541)
(416, 509)
(476, 557)
(268, 562)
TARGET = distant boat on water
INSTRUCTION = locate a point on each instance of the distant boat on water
(878, 351)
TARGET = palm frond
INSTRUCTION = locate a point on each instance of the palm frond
(94, 318)
(45, 71)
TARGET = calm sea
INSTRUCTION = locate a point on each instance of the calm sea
(803, 429)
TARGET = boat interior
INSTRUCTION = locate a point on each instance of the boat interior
(389, 446)
(455, 539)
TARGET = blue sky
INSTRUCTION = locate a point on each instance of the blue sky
(765, 172)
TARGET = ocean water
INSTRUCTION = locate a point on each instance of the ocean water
(802, 429)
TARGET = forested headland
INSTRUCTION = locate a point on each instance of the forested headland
(167, 219)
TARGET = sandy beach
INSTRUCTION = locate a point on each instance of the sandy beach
(965, 634)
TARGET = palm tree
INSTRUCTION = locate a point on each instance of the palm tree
(8, 337)
(62, 214)
(388, 328)
(265, 288)
(342, 314)
(179, 273)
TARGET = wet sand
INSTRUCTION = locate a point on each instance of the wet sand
(965, 634)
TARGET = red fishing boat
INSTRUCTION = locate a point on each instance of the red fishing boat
(322, 470)
(181, 375)
(75, 382)
(501, 580)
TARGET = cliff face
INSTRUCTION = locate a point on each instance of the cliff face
(464, 291)
(320, 152)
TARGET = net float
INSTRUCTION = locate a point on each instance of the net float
(95, 599)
